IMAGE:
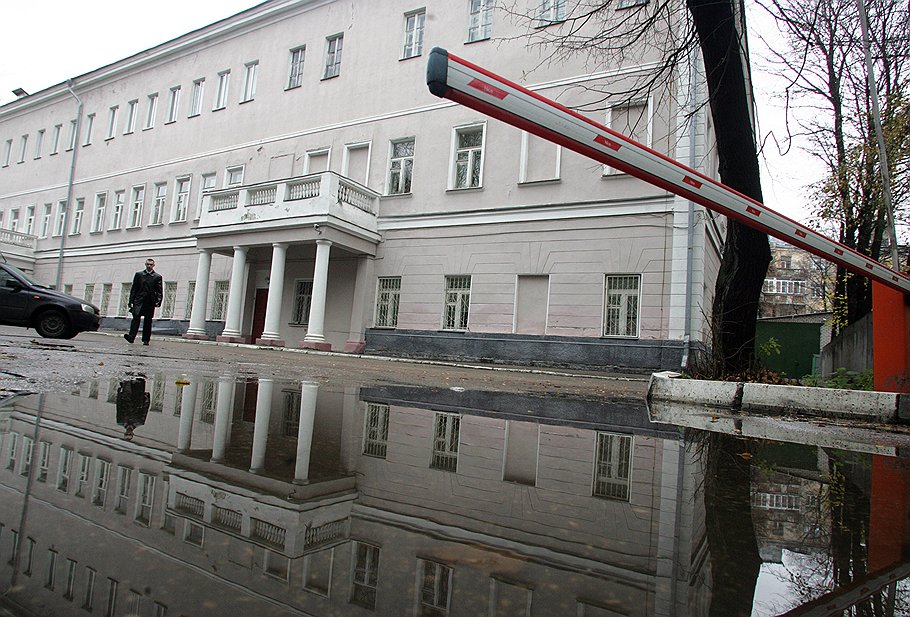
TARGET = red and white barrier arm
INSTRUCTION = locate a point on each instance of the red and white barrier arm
(451, 77)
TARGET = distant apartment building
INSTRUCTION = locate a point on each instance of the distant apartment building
(299, 186)
(797, 283)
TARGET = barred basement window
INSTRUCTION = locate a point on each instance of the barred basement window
(435, 587)
(612, 466)
(445, 441)
(190, 292)
(209, 400)
(123, 308)
(457, 303)
(621, 305)
(106, 289)
(219, 300)
(170, 300)
(376, 430)
(291, 413)
(366, 575)
(387, 297)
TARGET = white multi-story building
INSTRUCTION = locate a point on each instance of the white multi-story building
(298, 185)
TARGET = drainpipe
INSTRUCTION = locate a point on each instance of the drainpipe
(690, 237)
(69, 185)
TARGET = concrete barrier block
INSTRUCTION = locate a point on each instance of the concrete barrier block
(831, 402)
(666, 387)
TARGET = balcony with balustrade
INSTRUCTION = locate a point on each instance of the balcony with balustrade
(326, 199)
(18, 248)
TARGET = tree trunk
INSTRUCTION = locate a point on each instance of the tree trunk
(746, 252)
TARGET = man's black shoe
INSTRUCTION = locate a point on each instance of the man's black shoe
(128, 338)
(145, 342)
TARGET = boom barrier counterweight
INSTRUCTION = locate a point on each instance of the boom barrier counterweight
(472, 86)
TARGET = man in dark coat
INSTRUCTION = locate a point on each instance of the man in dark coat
(133, 404)
(145, 296)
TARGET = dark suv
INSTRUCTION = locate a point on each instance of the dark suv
(53, 314)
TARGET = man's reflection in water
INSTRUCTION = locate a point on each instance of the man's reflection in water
(132, 405)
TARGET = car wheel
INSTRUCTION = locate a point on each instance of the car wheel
(53, 324)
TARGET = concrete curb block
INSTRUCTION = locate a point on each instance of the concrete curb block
(768, 398)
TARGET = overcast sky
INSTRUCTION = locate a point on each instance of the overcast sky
(46, 42)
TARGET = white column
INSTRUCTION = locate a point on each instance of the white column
(200, 295)
(261, 425)
(235, 294)
(223, 408)
(305, 431)
(315, 334)
(276, 295)
(187, 410)
(356, 342)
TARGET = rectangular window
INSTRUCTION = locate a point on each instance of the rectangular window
(621, 301)
(158, 203)
(13, 451)
(388, 290)
(365, 579)
(111, 609)
(446, 427)
(51, 569)
(198, 94)
(251, 69)
(23, 148)
(194, 534)
(30, 220)
(436, 581)
(102, 477)
(134, 605)
(28, 450)
(333, 45)
(78, 211)
(112, 121)
(160, 610)
(124, 478)
(131, 111)
(190, 292)
(71, 141)
(233, 176)
(85, 468)
(376, 430)
(413, 34)
(106, 290)
(457, 302)
(219, 300)
(303, 295)
(467, 170)
(7, 152)
(70, 579)
(401, 166)
(173, 104)
(14, 546)
(146, 496)
(480, 21)
(181, 199)
(151, 110)
(29, 556)
(88, 593)
(170, 300)
(625, 4)
(44, 460)
(612, 466)
(208, 184)
(61, 217)
(39, 143)
(89, 295)
(46, 221)
(136, 202)
(551, 11)
(124, 305)
(632, 120)
(63, 469)
(98, 215)
(14, 219)
(117, 214)
(295, 68)
(224, 79)
(55, 139)
(156, 400)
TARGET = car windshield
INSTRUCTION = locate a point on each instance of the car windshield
(22, 275)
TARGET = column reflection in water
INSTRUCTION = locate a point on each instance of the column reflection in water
(261, 426)
(187, 411)
(308, 394)
(223, 416)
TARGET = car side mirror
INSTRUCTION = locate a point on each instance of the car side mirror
(14, 284)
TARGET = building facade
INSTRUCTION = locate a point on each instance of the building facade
(299, 186)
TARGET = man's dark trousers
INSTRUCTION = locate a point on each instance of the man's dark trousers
(147, 311)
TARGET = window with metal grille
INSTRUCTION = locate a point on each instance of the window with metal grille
(219, 300)
(89, 293)
(170, 299)
(156, 400)
(612, 466)
(376, 430)
(436, 583)
(401, 166)
(457, 303)
(388, 290)
(106, 297)
(209, 400)
(291, 413)
(445, 441)
(468, 170)
(366, 575)
(303, 296)
(190, 292)
(621, 305)
(124, 306)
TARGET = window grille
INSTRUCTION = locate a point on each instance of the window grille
(445, 441)
(387, 298)
(621, 305)
(457, 302)
(376, 430)
(303, 297)
(612, 466)
(366, 575)
(434, 589)
(219, 300)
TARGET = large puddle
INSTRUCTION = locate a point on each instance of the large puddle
(175, 495)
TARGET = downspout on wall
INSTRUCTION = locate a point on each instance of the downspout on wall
(69, 185)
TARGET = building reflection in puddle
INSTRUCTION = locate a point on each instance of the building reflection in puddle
(271, 498)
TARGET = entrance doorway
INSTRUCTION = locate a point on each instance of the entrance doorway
(259, 305)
